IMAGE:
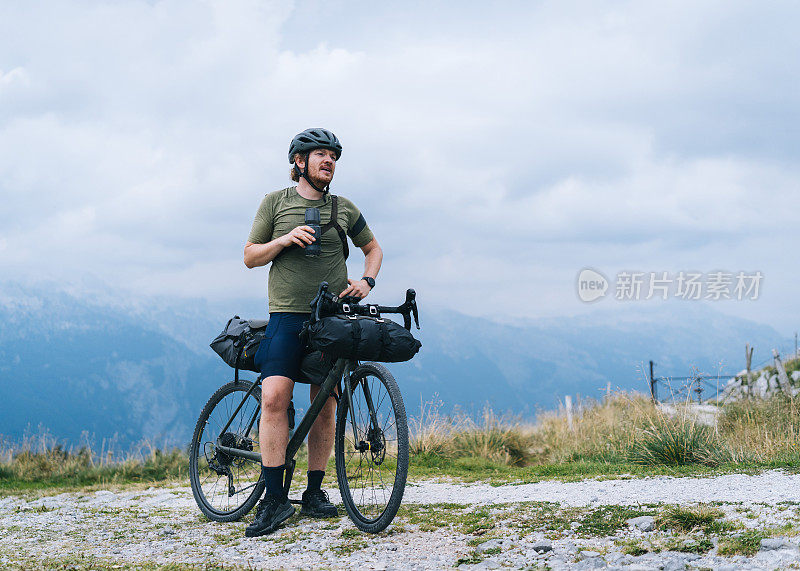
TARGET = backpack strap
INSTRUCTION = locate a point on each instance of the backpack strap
(332, 223)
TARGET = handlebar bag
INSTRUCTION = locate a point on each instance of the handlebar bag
(362, 337)
(239, 341)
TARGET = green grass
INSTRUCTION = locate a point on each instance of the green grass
(746, 543)
(607, 520)
(670, 442)
(689, 520)
(479, 469)
(700, 546)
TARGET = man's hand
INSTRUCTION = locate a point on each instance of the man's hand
(301, 236)
(357, 288)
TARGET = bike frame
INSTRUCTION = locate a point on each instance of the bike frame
(342, 369)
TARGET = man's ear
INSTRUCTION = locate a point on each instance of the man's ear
(300, 160)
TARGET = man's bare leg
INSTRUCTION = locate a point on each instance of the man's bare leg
(273, 429)
(320, 437)
(273, 434)
(320, 444)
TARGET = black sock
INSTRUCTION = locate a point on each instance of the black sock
(273, 478)
(315, 479)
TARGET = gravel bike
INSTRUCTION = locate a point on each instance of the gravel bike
(370, 441)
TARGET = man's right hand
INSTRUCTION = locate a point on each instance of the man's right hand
(301, 236)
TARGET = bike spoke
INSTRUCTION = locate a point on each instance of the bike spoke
(244, 473)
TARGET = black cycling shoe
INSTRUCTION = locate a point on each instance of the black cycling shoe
(272, 511)
(318, 504)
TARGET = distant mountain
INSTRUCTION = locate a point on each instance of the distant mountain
(534, 363)
(142, 368)
(74, 365)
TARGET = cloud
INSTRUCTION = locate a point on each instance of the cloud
(500, 150)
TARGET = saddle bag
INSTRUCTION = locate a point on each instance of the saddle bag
(239, 341)
(362, 337)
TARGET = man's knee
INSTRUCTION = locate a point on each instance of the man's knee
(276, 393)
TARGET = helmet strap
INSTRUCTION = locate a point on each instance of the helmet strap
(304, 173)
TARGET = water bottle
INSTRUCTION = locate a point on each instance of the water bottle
(312, 220)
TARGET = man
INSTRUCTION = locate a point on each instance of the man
(279, 235)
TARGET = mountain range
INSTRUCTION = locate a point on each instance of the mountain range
(94, 366)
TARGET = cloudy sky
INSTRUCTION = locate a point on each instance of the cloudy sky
(495, 149)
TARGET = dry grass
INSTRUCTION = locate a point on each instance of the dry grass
(503, 440)
(40, 458)
(622, 428)
(762, 430)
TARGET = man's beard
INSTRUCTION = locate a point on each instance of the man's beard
(319, 182)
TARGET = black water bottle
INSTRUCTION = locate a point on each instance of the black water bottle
(312, 220)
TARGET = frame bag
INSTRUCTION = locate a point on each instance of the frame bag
(362, 337)
(239, 341)
(315, 366)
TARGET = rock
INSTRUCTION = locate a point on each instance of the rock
(487, 545)
(167, 531)
(590, 563)
(575, 525)
(586, 555)
(614, 556)
(674, 565)
(542, 546)
(570, 547)
(643, 523)
(773, 543)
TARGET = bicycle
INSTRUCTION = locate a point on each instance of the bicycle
(370, 440)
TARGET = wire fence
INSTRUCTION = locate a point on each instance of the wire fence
(701, 387)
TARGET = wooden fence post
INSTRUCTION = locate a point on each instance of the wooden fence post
(652, 384)
(783, 378)
(568, 407)
(748, 356)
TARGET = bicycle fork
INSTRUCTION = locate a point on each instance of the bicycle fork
(361, 445)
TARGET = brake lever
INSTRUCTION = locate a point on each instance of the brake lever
(411, 308)
(317, 302)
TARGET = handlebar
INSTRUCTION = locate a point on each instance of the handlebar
(326, 304)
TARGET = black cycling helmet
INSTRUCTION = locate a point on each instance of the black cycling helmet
(311, 139)
(306, 142)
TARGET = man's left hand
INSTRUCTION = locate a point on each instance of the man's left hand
(357, 288)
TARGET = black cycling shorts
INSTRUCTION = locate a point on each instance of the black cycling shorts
(280, 352)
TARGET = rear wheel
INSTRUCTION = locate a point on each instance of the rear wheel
(372, 453)
(226, 487)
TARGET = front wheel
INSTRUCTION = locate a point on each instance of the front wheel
(371, 448)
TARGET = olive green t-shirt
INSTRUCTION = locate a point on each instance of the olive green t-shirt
(294, 278)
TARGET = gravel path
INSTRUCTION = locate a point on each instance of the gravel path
(770, 487)
(577, 525)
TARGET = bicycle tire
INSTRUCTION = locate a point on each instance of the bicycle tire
(205, 462)
(363, 472)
